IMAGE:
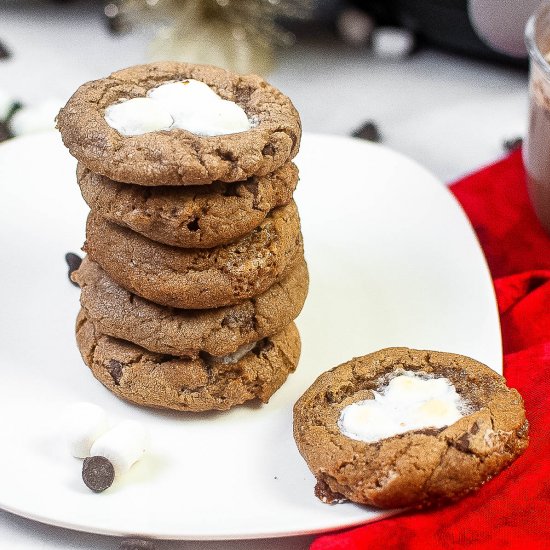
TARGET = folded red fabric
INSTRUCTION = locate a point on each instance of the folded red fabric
(512, 510)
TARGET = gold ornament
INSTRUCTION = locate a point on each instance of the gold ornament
(239, 35)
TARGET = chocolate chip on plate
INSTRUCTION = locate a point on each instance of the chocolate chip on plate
(511, 144)
(368, 131)
(73, 261)
(98, 473)
(136, 544)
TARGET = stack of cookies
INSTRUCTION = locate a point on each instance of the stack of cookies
(194, 270)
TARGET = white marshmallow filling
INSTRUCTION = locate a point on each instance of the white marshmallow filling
(238, 354)
(409, 401)
(188, 105)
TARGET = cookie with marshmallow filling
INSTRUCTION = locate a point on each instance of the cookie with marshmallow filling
(189, 383)
(172, 123)
(191, 278)
(190, 217)
(220, 331)
(408, 428)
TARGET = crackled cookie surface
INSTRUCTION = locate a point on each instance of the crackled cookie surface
(189, 217)
(403, 427)
(221, 331)
(198, 278)
(195, 383)
(154, 150)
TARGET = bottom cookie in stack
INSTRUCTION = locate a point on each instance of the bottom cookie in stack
(194, 383)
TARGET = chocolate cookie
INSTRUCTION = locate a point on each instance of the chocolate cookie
(198, 278)
(421, 467)
(118, 313)
(189, 217)
(188, 383)
(179, 157)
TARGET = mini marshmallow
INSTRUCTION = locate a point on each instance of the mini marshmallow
(38, 118)
(408, 402)
(85, 423)
(191, 104)
(138, 116)
(122, 445)
(234, 357)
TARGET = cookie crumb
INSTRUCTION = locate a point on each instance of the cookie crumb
(98, 473)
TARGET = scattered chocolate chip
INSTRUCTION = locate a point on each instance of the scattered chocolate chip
(137, 544)
(4, 52)
(512, 144)
(368, 131)
(4, 131)
(475, 428)
(98, 473)
(73, 261)
(116, 21)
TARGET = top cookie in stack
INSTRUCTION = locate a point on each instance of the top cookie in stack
(195, 267)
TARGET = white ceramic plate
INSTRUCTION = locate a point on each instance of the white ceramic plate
(393, 261)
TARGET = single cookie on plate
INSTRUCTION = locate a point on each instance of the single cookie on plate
(190, 217)
(408, 428)
(195, 383)
(172, 123)
(117, 312)
(198, 278)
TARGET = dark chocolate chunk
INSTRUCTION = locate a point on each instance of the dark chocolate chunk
(115, 370)
(137, 544)
(4, 52)
(368, 131)
(511, 144)
(98, 473)
(463, 443)
(4, 131)
(73, 261)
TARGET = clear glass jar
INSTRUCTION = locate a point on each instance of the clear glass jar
(536, 151)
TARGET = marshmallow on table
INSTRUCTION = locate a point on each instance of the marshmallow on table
(36, 118)
(85, 423)
(122, 445)
(188, 105)
(408, 402)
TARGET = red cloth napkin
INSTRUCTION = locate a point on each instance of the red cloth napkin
(512, 510)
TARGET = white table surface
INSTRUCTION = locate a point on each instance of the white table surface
(449, 113)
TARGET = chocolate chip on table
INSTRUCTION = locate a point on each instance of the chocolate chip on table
(4, 52)
(98, 473)
(368, 131)
(137, 544)
(511, 144)
(4, 132)
(73, 261)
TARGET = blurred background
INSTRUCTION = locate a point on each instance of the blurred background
(444, 81)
